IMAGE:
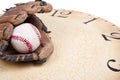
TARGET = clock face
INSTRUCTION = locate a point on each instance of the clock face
(86, 47)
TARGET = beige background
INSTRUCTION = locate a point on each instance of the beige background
(107, 9)
(80, 51)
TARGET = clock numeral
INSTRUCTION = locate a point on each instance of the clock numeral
(106, 37)
(90, 21)
(54, 13)
(110, 67)
(62, 14)
(113, 35)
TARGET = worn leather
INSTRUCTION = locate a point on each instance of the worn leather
(24, 12)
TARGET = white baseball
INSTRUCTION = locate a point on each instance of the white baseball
(25, 38)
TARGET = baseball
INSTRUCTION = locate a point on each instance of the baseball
(25, 38)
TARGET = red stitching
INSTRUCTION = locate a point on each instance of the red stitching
(37, 33)
(26, 42)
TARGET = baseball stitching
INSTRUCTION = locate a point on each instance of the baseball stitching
(25, 41)
(37, 33)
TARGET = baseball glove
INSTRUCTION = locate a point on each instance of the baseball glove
(21, 13)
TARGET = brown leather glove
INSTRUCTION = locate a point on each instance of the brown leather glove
(24, 12)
